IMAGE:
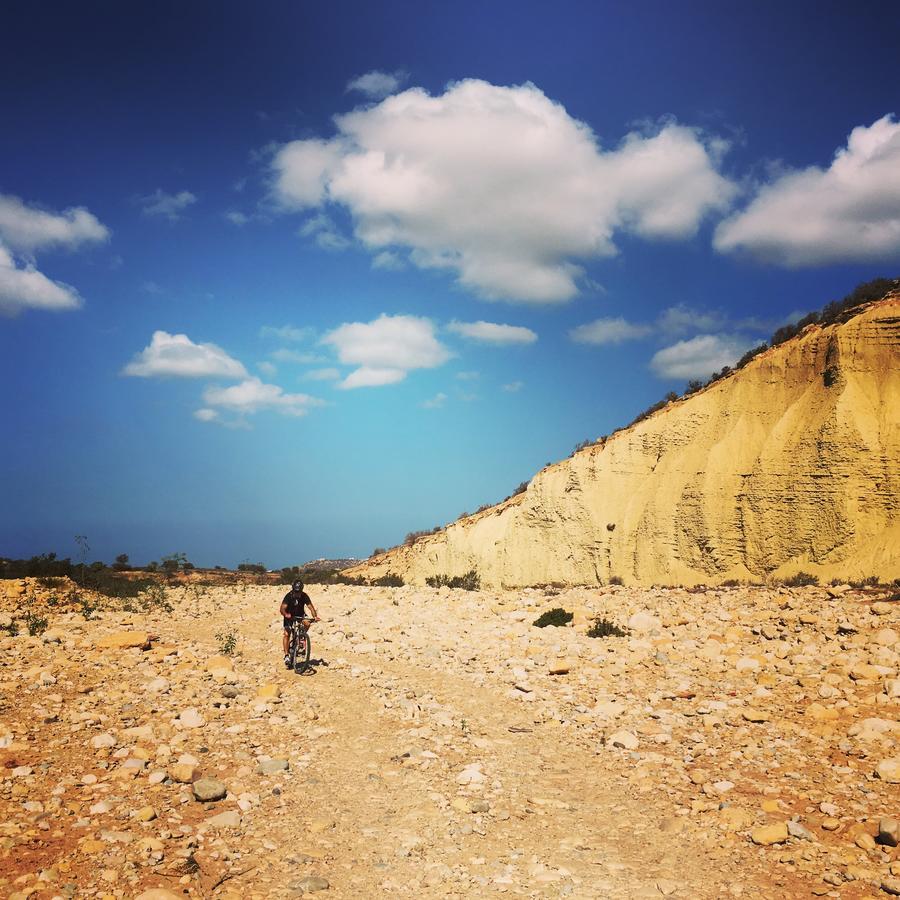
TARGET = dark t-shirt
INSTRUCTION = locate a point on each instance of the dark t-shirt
(296, 603)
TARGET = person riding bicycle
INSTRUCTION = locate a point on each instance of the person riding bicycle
(292, 607)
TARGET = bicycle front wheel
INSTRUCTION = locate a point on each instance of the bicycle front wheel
(301, 661)
(292, 649)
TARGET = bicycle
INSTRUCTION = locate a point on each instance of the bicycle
(300, 645)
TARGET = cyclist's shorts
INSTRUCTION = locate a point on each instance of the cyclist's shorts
(287, 624)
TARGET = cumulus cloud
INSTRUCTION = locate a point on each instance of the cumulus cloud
(252, 395)
(698, 357)
(386, 349)
(492, 333)
(176, 355)
(388, 261)
(500, 186)
(28, 229)
(162, 205)
(847, 213)
(377, 85)
(24, 287)
(609, 331)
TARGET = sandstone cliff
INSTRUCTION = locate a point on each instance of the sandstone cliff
(792, 463)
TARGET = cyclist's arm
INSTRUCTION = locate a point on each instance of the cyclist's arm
(315, 614)
(284, 610)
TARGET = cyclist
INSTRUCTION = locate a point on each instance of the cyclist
(292, 607)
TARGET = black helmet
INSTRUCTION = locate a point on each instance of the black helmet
(297, 586)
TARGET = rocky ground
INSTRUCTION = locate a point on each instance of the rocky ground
(736, 742)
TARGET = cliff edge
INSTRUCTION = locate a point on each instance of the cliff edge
(789, 464)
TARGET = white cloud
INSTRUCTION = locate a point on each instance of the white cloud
(698, 357)
(236, 217)
(388, 261)
(284, 355)
(377, 85)
(286, 333)
(268, 369)
(370, 376)
(468, 375)
(253, 395)
(325, 233)
(513, 387)
(206, 415)
(26, 288)
(849, 212)
(435, 402)
(492, 333)
(28, 229)
(328, 374)
(178, 356)
(609, 331)
(681, 318)
(500, 185)
(163, 205)
(386, 349)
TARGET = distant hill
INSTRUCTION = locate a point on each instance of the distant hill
(788, 464)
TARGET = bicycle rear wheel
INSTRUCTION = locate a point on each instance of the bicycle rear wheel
(301, 660)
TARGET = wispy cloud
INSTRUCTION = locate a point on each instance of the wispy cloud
(286, 333)
(513, 387)
(327, 374)
(493, 333)
(162, 205)
(377, 85)
(609, 331)
(435, 402)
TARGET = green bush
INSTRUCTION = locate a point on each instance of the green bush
(471, 581)
(616, 579)
(556, 617)
(602, 628)
(227, 642)
(801, 579)
(389, 580)
(34, 623)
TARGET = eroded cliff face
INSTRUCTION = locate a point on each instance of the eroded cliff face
(790, 464)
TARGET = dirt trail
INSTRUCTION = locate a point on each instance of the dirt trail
(381, 817)
(734, 743)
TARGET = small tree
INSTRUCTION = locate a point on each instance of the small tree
(122, 564)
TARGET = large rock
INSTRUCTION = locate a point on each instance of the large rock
(766, 835)
(123, 640)
(208, 789)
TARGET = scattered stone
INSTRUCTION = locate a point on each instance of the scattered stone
(888, 832)
(623, 740)
(766, 835)
(755, 715)
(182, 773)
(271, 766)
(889, 770)
(310, 884)
(208, 789)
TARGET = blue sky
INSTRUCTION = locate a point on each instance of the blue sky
(289, 280)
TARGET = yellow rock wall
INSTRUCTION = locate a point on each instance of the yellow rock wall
(767, 472)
